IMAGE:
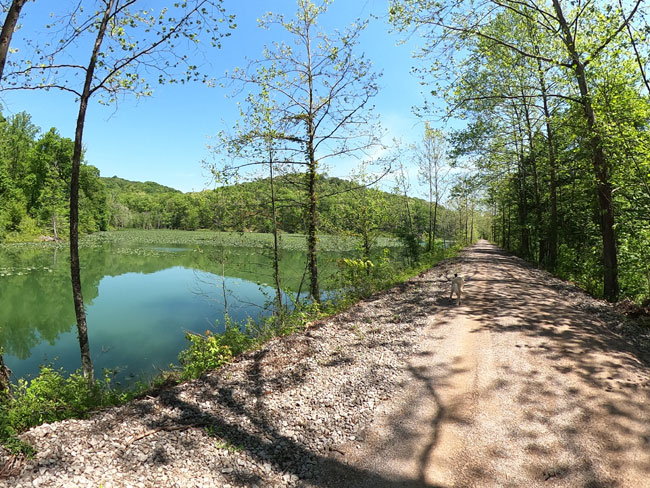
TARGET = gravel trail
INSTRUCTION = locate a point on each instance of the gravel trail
(528, 383)
(517, 387)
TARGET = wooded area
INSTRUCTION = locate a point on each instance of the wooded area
(555, 95)
(35, 169)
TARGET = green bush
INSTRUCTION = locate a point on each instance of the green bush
(49, 397)
(356, 276)
(204, 353)
(238, 338)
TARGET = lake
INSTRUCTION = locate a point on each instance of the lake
(141, 294)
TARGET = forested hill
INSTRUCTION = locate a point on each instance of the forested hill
(343, 206)
(35, 170)
(118, 185)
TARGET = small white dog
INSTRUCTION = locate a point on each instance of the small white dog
(457, 287)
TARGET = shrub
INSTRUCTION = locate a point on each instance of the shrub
(238, 338)
(50, 397)
(204, 353)
(356, 276)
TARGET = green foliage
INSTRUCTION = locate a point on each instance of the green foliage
(243, 207)
(560, 148)
(360, 278)
(355, 276)
(204, 353)
(34, 181)
(236, 337)
(49, 397)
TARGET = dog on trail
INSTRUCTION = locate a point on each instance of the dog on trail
(457, 287)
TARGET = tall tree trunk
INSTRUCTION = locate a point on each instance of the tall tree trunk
(435, 220)
(494, 236)
(54, 230)
(8, 28)
(75, 274)
(5, 377)
(276, 254)
(503, 226)
(466, 221)
(312, 173)
(471, 236)
(56, 235)
(312, 209)
(552, 231)
(522, 210)
(431, 225)
(509, 226)
(600, 165)
(409, 223)
(11, 20)
(533, 162)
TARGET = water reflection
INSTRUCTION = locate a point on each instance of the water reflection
(139, 302)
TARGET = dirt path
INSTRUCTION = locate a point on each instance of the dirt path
(514, 388)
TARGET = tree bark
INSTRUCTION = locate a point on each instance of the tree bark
(430, 244)
(435, 219)
(8, 28)
(409, 222)
(5, 39)
(471, 234)
(312, 174)
(5, 377)
(600, 165)
(509, 226)
(466, 220)
(533, 163)
(276, 255)
(522, 207)
(56, 235)
(552, 231)
(311, 230)
(75, 274)
(503, 226)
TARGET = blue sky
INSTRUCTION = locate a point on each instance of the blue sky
(163, 138)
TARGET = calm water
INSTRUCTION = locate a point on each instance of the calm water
(139, 301)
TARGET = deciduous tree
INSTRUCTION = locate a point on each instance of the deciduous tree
(124, 43)
(432, 172)
(322, 88)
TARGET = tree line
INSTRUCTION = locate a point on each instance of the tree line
(555, 96)
(35, 184)
(35, 191)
